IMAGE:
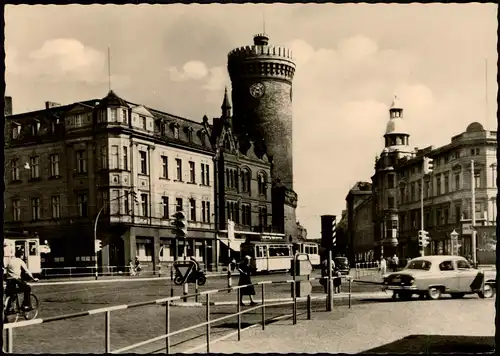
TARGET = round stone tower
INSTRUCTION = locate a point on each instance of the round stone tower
(261, 77)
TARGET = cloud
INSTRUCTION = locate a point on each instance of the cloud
(217, 80)
(192, 70)
(60, 59)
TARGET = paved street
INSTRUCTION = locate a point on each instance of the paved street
(133, 325)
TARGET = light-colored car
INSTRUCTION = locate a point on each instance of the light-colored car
(433, 276)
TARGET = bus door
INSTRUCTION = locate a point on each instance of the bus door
(33, 256)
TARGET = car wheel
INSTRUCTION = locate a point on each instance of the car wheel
(434, 293)
(457, 295)
(487, 292)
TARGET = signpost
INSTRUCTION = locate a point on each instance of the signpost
(301, 271)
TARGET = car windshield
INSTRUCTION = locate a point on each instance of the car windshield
(341, 260)
(420, 264)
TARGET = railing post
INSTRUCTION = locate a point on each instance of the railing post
(10, 340)
(309, 302)
(329, 300)
(349, 292)
(294, 294)
(167, 327)
(208, 322)
(196, 290)
(70, 272)
(171, 280)
(238, 309)
(229, 279)
(107, 337)
(263, 307)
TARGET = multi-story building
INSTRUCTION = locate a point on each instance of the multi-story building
(89, 157)
(242, 188)
(397, 188)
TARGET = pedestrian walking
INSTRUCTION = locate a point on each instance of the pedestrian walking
(383, 266)
(131, 268)
(337, 281)
(137, 268)
(246, 271)
(395, 261)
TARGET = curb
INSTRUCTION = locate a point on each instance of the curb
(283, 300)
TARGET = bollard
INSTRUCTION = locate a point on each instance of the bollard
(185, 290)
(229, 280)
(10, 340)
(167, 327)
(172, 281)
(208, 322)
(263, 308)
(238, 309)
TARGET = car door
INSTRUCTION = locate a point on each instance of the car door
(449, 275)
(467, 275)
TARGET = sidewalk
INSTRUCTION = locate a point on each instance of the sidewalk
(404, 326)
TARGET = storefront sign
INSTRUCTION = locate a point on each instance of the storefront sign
(467, 229)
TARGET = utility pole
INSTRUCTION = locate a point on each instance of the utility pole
(473, 200)
(422, 251)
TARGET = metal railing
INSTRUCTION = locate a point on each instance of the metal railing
(9, 340)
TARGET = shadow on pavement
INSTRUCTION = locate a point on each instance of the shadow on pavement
(437, 345)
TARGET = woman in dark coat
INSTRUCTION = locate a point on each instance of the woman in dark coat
(245, 272)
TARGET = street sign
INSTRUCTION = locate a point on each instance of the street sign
(303, 288)
(183, 269)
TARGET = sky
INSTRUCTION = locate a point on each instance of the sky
(440, 59)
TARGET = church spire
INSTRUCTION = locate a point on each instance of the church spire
(226, 106)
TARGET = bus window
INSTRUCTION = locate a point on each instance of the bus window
(273, 251)
(20, 247)
(264, 251)
(33, 248)
(259, 251)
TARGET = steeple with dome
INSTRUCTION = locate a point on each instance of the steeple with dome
(396, 135)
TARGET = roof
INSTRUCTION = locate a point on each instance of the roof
(396, 125)
(437, 258)
(396, 103)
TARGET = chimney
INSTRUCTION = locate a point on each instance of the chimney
(7, 108)
(51, 104)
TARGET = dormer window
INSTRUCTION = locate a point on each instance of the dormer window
(144, 122)
(124, 116)
(227, 144)
(190, 134)
(16, 130)
(114, 115)
(175, 128)
(202, 137)
(163, 128)
(35, 127)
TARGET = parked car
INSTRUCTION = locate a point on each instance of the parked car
(433, 276)
(342, 264)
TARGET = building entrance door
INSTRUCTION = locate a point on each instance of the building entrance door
(117, 253)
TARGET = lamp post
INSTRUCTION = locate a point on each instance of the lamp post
(95, 227)
(473, 201)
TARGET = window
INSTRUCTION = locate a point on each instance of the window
(144, 204)
(245, 181)
(16, 209)
(446, 184)
(192, 173)
(178, 204)
(178, 161)
(35, 128)
(144, 165)
(104, 157)
(246, 215)
(81, 161)
(82, 205)
(126, 204)
(143, 122)
(412, 191)
(263, 216)
(34, 167)
(190, 135)
(390, 181)
(176, 132)
(113, 115)
(164, 160)
(35, 209)
(427, 190)
(205, 174)
(104, 201)
(446, 216)
(262, 184)
(124, 115)
(16, 130)
(205, 211)
(478, 210)
(390, 202)
(457, 181)
(166, 213)
(54, 165)
(114, 157)
(477, 180)
(458, 213)
(192, 205)
(115, 202)
(475, 151)
(233, 212)
(463, 264)
(125, 158)
(438, 217)
(56, 206)
(14, 165)
(446, 266)
(438, 185)
(145, 252)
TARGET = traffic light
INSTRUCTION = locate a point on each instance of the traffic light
(423, 238)
(180, 224)
(134, 196)
(428, 165)
(98, 246)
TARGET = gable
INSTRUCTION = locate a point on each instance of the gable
(142, 110)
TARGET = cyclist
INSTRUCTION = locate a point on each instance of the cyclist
(13, 269)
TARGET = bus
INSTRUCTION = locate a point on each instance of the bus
(30, 245)
(311, 249)
(268, 256)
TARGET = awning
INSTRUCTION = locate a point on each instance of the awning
(233, 245)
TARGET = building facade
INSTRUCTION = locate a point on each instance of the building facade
(397, 188)
(95, 156)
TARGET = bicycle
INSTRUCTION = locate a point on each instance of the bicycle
(12, 314)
